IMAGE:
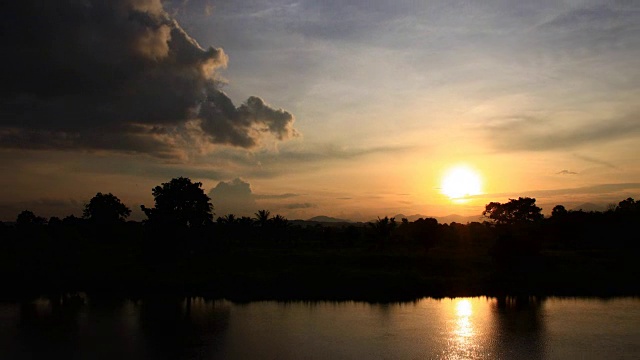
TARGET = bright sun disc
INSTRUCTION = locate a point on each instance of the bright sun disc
(460, 182)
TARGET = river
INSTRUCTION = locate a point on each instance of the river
(458, 328)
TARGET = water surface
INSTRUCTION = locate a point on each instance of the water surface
(460, 328)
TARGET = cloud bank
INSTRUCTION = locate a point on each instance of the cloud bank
(236, 197)
(119, 75)
(233, 197)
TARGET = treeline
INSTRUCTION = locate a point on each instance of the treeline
(180, 249)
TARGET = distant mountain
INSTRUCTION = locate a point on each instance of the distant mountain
(459, 219)
(327, 219)
(590, 207)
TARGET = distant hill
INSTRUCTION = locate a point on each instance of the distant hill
(328, 219)
(411, 218)
(590, 207)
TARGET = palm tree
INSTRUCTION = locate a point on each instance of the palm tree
(262, 217)
(280, 221)
(228, 219)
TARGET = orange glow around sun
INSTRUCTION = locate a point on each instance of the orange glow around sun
(460, 182)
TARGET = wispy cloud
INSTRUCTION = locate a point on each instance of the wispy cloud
(600, 189)
(566, 172)
(522, 133)
(275, 196)
(595, 161)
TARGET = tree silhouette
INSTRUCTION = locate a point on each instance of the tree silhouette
(522, 210)
(262, 217)
(279, 222)
(628, 206)
(180, 202)
(105, 209)
(227, 219)
(384, 227)
(558, 211)
(27, 218)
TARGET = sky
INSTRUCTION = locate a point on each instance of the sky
(354, 109)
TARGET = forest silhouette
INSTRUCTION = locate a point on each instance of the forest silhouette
(180, 250)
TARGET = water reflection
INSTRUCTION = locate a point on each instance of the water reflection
(195, 328)
(463, 342)
(464, 330)
(520, 323)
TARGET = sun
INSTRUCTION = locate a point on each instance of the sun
(460, 182)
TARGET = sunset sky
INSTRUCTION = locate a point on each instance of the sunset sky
(352, 109)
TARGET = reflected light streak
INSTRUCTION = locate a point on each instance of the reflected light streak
(464, 328)
(462, 343)
(463, 308)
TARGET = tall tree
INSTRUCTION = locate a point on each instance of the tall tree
(180, 202)
(105, 209)
(521, 210)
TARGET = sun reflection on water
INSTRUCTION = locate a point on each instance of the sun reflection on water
(463, 308)
(462, 339)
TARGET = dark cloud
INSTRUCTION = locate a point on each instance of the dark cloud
(299, 206)
(566, 172)
(536, 134)
(233, 197)
(118, 75)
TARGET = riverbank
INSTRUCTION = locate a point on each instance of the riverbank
(376, 275)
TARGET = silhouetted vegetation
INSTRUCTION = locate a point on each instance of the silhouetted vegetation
(180, 203)
(105, 209)
(522, 210)
(180, 250)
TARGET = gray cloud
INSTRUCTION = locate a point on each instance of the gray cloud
(233, 197)
(237, 197)
(566, 172)
(294, 206)
(119, 75)
(536, 134)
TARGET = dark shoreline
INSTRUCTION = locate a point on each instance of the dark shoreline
(367, 287)
(575, 254)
